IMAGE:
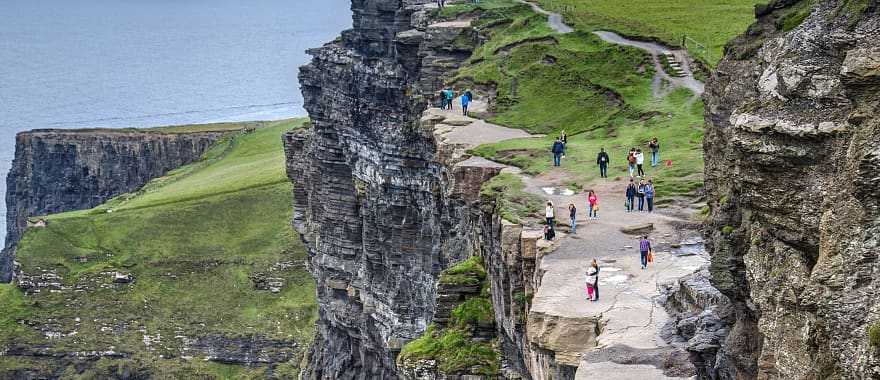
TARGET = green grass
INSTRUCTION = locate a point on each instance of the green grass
(192, 240)
(709, 22)
(513, 203)
(874, 335)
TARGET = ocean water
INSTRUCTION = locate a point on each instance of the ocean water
(143, 63)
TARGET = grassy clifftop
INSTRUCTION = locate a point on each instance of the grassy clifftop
(218, 275)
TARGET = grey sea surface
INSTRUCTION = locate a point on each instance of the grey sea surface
(145, 63)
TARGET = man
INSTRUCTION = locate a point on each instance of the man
(655, 152)
(465, 101)
(603, 160)
(558, 149)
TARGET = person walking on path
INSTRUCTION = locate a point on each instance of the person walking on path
(450, 97)
(644, 250)
(572, 213)
(649, 195)
(603, 161)
(655, 152)
(593, 201)
(465, 101)
(631, 159)
(593, 281)
(640, 192)
(631, 191)
(550, 214)
(564, 138)
(640, 160)
(558, 149)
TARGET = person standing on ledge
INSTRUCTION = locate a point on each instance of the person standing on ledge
(655, 152)
(603, 161)
(550, 214)
(644, 250)
(558, 149)
(593, 281)
(465, 101)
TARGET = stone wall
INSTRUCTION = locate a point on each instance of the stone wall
(792, 164)
(57, 170)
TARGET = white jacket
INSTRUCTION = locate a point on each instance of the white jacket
(550, 212)
(640, 158)
(591, 275)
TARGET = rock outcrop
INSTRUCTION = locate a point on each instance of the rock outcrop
(65, 170)
(792, 165)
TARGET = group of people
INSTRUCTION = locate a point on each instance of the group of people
(592, 202)
(447, 99)
(643, 191)
(646, 256)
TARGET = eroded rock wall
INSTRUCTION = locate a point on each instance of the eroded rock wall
(373, 201)
(792, 175)
(57, 170)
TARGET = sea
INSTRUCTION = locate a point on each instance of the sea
(146, 63)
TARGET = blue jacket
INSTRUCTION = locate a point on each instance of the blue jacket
(558, 147)
(465, 100)
(649, 191)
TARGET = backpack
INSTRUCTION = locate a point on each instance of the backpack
(631, 158)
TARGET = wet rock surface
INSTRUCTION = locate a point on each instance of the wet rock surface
(792, 177)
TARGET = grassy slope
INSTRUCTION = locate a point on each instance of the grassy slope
(599, 93)
(191, 239)
(710, 22)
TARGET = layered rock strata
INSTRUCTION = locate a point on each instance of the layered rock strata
(57, 170)
(792, 165)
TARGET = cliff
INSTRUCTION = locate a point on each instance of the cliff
(58, 170)
(792, 179)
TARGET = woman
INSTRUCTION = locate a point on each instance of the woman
(550, 214)
(572, 213)
(631, 159)
(649, 195)
(564, 138)
(593, 281)
(640, 192)
(593, 201)
(631, 191)
(644, 250)
(655, 151)
(465, 101)
(640, 161)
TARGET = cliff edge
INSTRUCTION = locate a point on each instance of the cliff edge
(792, 161)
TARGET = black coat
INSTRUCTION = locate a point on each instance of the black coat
(599, 158)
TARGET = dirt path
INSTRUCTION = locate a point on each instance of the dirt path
(554, 19)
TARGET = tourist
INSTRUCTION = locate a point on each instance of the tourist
(549, 233)
(442, 99)
(631, 159)
(441, 3)
(603, 160)
(644, 250)
(550, 213)
(450, 97)
(469, 95)
(655, 151)
(631, 191)
(593, 201)
(592, 281)
(640, 192)
(564, 138)
(465, 101)
(640, 160)
(649, 195)
(572, 213)
(558, 149)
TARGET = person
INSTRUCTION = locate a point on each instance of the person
(644, 249)
(593, 201)
(593, 281)
(649, 195)
(442, 99)
(450, 97)
(640, 160)
(558, 149)
(603, 160)
(564, 138)
(549, 233)
(640, 192)
(550, 213)
(465, 101)
(655, 152)
(630, 195)
(631, 159)
(572, 213)
(441, 3)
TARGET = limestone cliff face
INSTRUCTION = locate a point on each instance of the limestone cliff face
(792, 163)
(56, 170)
(371, 199)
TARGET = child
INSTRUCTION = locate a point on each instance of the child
(549, 234)
(592, 276)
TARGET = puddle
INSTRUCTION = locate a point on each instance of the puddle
(549, 190)
(690, 249)
(616, 279)
(611, 269)
(567, 192)
(555, 190)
